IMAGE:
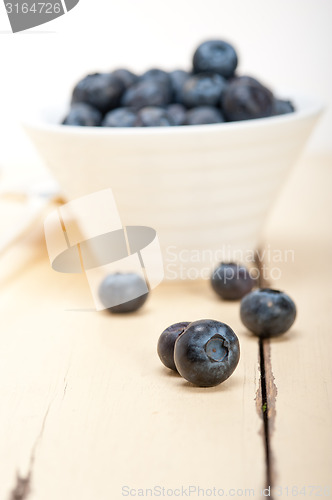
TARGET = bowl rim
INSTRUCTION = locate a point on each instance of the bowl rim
(305, 106)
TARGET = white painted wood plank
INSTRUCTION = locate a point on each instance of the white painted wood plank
(115, 416)
(301, 360)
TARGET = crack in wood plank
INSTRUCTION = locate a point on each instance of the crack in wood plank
(271, 388)
(267, 391)
(65, 378)
(64, 390)
(266, 406)
(22, 488)
(65, 384)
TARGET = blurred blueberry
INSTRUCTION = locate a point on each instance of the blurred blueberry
(245, 98)
(83, 115)
(281, 107)
(127, 77)
(207, 352)
(215, 56)
(120, 117)
(120, 288)
(146, 93)
(157, 75)
(101, 90)
(267, 312)
(166, 343)
(231, 281)
(177, 113)
(202, 90)
(178, 77)
(204, 115)
(152, 116)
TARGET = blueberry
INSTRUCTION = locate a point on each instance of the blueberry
(153, 116)
(216, 56)
(204, 115)
(127, 77)
(178, 77)
(202, 90)
(166, 343)
(206, 353)
(281, 107)
(267, 312)
(123, 292)
(101, 90)
(245, 98)
(177, 114)
(146, 93)
(83, 115)
(231, 281)
(120, 117)
(158, 75)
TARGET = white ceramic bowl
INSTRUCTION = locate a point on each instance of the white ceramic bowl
(206, 189)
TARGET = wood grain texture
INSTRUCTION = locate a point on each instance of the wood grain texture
(301, 437)
(87, 408)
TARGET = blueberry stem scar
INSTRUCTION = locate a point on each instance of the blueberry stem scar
(216, 349)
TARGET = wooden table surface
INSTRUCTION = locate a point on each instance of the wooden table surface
(89, 413)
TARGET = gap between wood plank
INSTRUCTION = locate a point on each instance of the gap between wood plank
(265, 414)
(267, 392)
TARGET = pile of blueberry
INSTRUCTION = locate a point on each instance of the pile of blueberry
(206, 352)
(210, 93)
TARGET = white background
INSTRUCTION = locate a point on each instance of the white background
(285, 43)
